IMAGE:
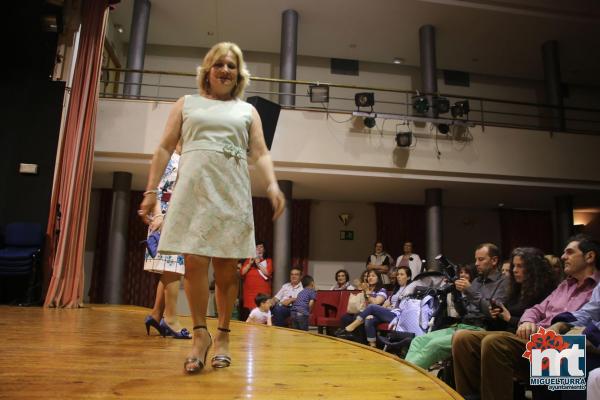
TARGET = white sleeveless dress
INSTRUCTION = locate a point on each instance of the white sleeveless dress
(210, 212)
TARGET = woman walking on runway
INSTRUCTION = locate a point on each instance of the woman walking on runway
(210, 215)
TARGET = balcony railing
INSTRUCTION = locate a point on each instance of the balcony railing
(392, 103)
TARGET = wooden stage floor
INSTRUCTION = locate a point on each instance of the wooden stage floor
(103, 352)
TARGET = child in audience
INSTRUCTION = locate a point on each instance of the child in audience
(303, 305)
(261, 314)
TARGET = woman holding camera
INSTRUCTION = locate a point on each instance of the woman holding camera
(256, 274)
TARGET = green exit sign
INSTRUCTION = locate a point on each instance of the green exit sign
(346, 235)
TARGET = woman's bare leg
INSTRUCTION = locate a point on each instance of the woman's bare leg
(171, 283)
(226, 291)
(159, 301)
(195, 284)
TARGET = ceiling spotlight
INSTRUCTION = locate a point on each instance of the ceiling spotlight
(403, 139)
(119, 28)
(443, 129)
(420, 104)
(369, 122)
(398, 60)
(441, 104)
(366, 99)
(460, 108)
(319, 93)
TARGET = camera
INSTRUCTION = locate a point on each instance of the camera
(447, 267)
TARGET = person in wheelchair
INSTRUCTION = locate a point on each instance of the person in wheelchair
(435, 346)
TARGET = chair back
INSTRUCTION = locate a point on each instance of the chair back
(326, 304)
(23, 234)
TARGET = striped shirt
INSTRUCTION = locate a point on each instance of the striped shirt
(301, 305)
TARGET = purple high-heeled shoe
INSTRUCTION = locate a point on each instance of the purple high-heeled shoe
(151, 322)
(167, 331)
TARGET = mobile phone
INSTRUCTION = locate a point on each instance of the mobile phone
(495, 304)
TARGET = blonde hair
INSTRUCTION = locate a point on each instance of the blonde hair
(216, 52)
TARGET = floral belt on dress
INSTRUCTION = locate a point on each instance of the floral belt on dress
(229, 150)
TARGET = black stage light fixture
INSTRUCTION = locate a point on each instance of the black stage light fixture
(443, 129)
(366, 99)
(403, 139)
(319, 93)
(460, 108)
(441, 104)
(420, 104)
(369, 122)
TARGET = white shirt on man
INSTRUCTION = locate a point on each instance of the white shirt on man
(288, 291)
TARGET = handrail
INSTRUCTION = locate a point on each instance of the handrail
(484, 111)
(356, 87)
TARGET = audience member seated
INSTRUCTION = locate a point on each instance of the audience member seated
(304, 303)
(261, 314)
(506, 266)
(373, 292)
(529, 283)
(557, 267)
(410, 260)
(283, 300)
(342, 281)
(486, 364)
(359, 281)
(436, 346)
(375, 314)
(380, 262)
(455, 302)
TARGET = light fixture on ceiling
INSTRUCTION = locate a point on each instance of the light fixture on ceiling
(403, 138)
(366, 99)
(318, 93)
(460, 108)
(443, 128)
(119, 28)
(369, 122)
(441, 105)
(398, 60)
(420, 104)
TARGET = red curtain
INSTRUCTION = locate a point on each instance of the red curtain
(525, 228)
(73, 177)
(399, 223)
(139, 286)
(263, 222)
(263, 226)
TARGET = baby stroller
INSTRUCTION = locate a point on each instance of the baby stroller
(423, 310)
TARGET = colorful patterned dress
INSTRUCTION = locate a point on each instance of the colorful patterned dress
(164, 262)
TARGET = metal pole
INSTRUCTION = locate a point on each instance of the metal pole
(433, 223)
(282, 239)
(117, 238)
(553, 84)
(137, 47)
(288, 62)
(428, 65)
